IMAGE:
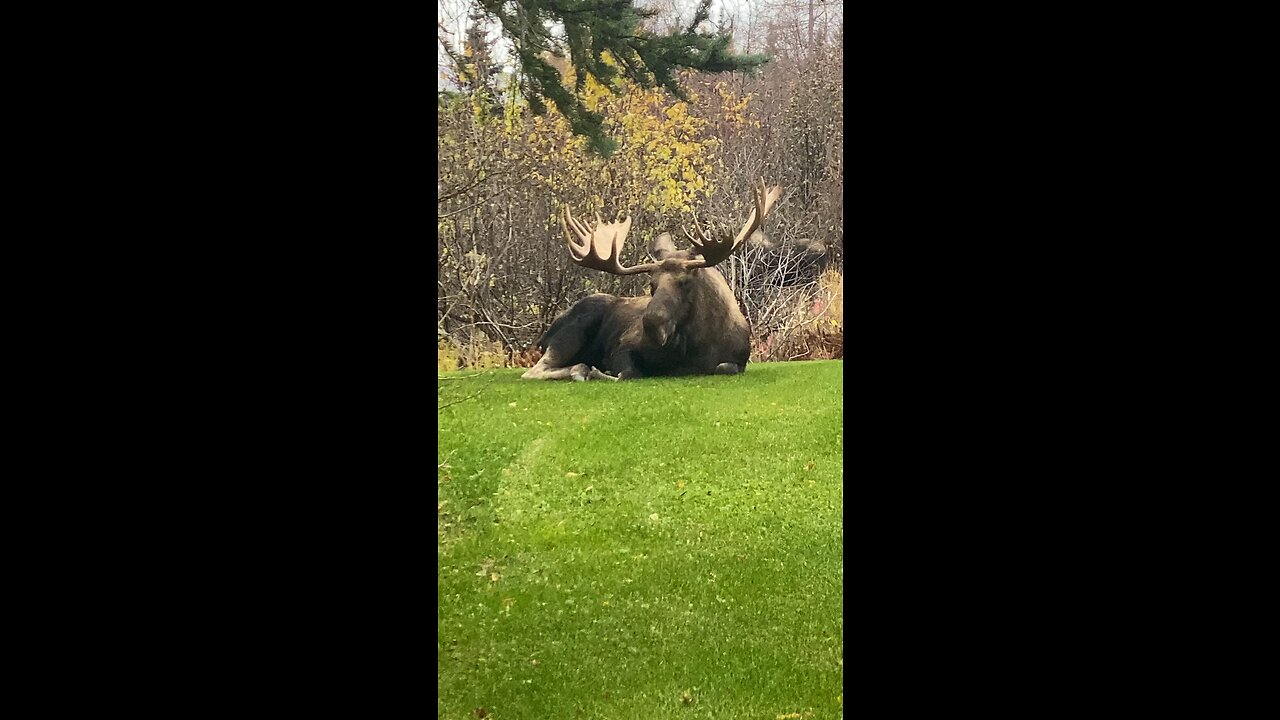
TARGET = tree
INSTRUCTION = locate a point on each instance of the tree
(588, 30)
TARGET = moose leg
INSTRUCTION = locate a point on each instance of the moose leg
(727, 369)
(545, 371)
(549, 368)
(565, 339)
(622, 363)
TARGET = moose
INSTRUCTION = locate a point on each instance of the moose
(689, 325)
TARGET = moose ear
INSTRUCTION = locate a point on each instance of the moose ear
(662, 245)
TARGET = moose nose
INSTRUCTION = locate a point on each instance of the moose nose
(656, 330)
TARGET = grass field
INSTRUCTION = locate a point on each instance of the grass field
(658, 548)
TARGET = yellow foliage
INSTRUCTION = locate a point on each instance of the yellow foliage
(664, 158)
(733, 107)
(833, 283)
(473, 352)
(446, 357)
(488, 359)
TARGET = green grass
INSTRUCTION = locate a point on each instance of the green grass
(650, 549)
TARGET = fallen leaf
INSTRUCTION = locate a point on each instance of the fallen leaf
(589, 488)
(654, 516)
(511, 404)
(571, 474)
(680, 484)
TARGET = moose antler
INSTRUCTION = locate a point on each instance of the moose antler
(716, 245)
(600, 246)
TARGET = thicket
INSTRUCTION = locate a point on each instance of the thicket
(504, 173)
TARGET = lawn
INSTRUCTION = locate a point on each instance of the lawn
(657, 548)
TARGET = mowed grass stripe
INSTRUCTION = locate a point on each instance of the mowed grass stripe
(606, 548)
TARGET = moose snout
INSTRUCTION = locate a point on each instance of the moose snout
(657, 330)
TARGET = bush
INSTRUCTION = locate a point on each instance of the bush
(446, 356)
(811, 328)
(477, 352)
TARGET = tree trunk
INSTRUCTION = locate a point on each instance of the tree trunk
(811, 2)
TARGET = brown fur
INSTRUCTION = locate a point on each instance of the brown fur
(690, 325)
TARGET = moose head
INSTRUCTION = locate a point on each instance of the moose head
(689, 323)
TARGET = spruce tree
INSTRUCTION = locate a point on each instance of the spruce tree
(587, 29)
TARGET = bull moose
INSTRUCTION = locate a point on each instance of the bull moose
(689, 325)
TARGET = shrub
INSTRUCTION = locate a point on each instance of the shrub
(475, 351)
(811, 326)
(446, 356)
